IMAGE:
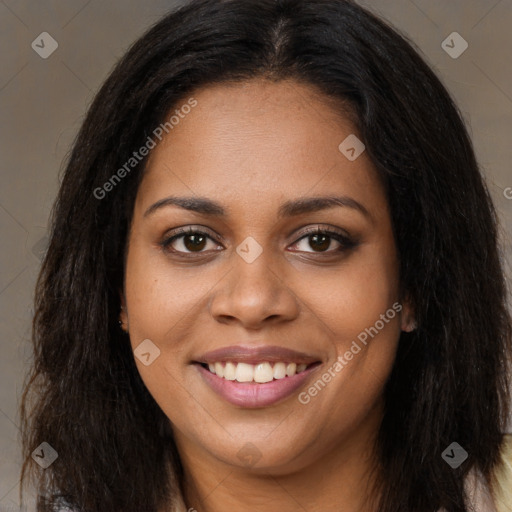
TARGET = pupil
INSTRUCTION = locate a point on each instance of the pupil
(324, 245)
(193, 242)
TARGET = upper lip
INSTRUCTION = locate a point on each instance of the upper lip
(254, 355)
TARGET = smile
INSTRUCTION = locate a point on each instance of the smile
(255, 376)
(248, 392)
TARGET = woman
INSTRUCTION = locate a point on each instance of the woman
(273, 281)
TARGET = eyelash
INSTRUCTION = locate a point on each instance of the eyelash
(346, 242)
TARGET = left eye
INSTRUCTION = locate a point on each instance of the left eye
(320, 241)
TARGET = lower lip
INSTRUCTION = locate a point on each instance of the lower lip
(252, 394)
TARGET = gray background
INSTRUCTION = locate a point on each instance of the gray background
(43, 101)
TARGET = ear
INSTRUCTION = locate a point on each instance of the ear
(123, 315)
(408, 320)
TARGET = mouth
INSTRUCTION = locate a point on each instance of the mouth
(253, 377)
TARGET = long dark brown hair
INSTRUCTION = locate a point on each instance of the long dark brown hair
(84, 395)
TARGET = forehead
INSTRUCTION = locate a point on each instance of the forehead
(258, 141)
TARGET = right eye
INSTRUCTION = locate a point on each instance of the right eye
(187, 241)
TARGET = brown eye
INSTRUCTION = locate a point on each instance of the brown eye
(317, 242)
(195, 242)
(188, 241)
(320, 241)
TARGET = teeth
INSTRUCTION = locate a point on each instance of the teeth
(263, 373)
(291, 369)
(279, 371)
(244, 372)
(219, 369)
(260, 373)
(230, 371)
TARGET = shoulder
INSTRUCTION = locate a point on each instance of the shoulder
(502, 487)
(498, 496)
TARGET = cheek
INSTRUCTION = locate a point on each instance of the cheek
(359, 304)
(353, 298)
(162, 299)
(161, 308)
(361, 310)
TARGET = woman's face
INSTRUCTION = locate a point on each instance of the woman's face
(256, 296)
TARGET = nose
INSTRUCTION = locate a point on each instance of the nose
(254, 295)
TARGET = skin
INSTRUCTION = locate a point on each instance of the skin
(251, 147)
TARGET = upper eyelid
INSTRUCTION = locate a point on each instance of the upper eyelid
(306, 229)
(182, 231)
(312, 229)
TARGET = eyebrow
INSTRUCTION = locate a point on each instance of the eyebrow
(290, 208)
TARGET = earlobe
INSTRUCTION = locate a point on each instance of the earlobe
(409, 325)
(408, 321)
